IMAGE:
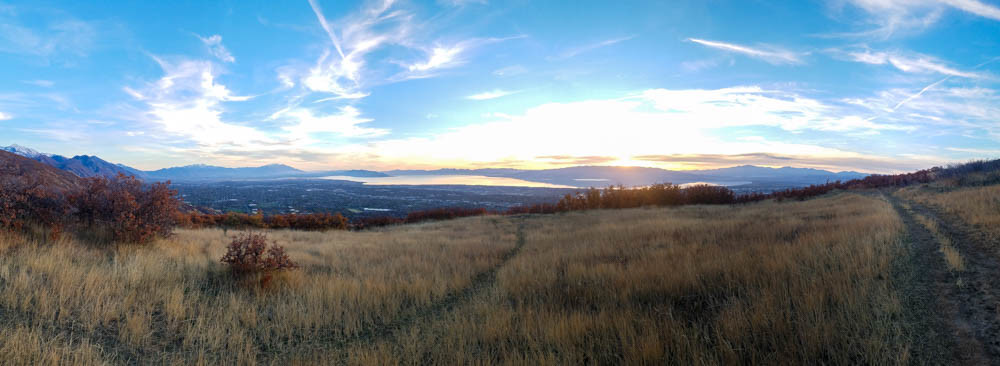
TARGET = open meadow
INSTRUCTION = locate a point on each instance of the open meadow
(771, 282)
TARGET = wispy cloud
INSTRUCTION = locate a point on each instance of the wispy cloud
(5, 116)
(892, 17)
(940, 107)
(41, 83)
(493, 94)
(976, 7)
(347, 123)
(460, 3)
(353, 38)
(672, 121)
(444, 57)
(703, 64)
(573, 52)
(771, 55)
(214, 44)
(910, 64)
(993, 152)
(439, 57)
(510, 71)
(60, 38)
(188, 101)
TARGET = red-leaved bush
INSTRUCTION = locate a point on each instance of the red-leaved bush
(128, 209)
(25, 201)
(249, 254)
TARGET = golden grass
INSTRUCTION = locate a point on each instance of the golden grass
(789, 283)
(800, 282)
(951, 255)
(173, 302)
(979, 206)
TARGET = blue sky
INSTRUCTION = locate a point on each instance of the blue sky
(868, 85)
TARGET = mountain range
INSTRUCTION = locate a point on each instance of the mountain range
(578, 176)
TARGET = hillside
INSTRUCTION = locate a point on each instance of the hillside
(559, 289)
(14, 166)
(876, 271)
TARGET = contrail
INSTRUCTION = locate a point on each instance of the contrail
(926, 88)
(918, 94)
(326, 26)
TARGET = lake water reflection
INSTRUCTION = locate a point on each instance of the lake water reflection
(467, 180)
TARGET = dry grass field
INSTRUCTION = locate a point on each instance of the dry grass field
(978, 206)
(792, 283)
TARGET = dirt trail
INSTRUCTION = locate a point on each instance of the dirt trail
(954, 317)
(479, 286)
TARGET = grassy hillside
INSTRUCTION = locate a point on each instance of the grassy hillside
(793, 282)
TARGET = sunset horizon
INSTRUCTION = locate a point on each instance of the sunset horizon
(862, 85)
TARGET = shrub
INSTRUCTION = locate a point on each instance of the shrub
(249, 254)
(24, 201)
(127, 209)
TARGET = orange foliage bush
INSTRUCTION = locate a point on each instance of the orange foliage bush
(234, 220)
(23, 201)
(130, 211)
(250, 254)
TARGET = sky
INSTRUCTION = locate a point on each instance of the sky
(876, 86)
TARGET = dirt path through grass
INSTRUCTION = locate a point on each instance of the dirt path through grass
(953, 315)
(480, 286)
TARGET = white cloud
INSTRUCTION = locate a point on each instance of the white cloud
(460, 3)
(440, 57)
(656, 121)
(510, 71)
(41, 83)
(354, 37)
(771, 55)
(976, 7)
(188, 101)
(347, 123)
(214, 44)
(443, 57)
(58, 39)
(892, 17)
(493, 94)
(940, 108)
(994, 152)
(910, 64)
(348, 71)
(593, 46)
(5, 116)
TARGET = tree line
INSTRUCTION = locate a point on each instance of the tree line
(119, 209)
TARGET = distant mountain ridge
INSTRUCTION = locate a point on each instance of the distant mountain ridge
(599, 176)
(577, 176)
(84, 166)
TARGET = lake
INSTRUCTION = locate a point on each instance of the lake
(429, 180)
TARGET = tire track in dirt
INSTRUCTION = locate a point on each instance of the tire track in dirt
(944, 310)
(979, 294)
